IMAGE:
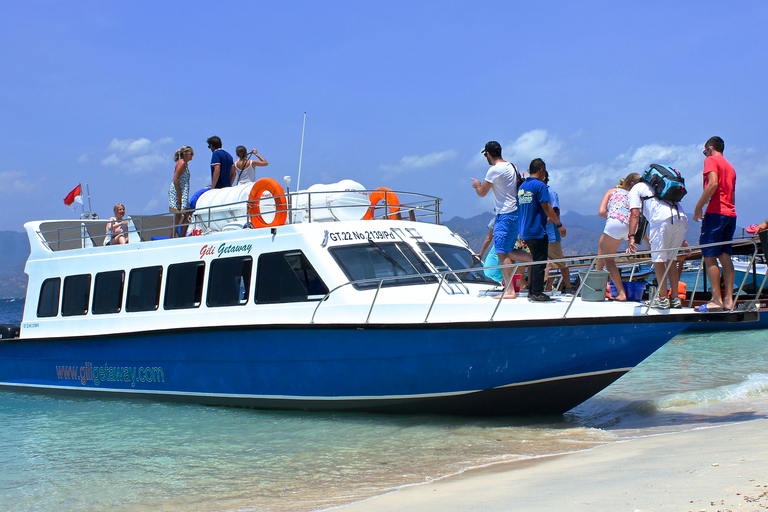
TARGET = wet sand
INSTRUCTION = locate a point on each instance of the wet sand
(722, 468)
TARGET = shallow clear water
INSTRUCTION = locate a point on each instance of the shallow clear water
(78, 454)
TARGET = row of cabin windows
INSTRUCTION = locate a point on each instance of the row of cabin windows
(281, 277)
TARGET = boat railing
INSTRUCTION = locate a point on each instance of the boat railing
(589, 263)
(323, 206)
(300, 207)
(752, 255)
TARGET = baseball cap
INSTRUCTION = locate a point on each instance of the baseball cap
(492, 147)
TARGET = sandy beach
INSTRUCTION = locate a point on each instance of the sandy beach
(722, 468)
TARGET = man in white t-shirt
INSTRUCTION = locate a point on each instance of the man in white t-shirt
(666, 230)
(502, 180)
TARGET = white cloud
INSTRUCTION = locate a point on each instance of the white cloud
(416, 163)
(581, 187)
(16, 181)
(139, 155)
(534, 144)
(685, 159)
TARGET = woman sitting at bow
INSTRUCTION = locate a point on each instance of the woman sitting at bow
(117, 227)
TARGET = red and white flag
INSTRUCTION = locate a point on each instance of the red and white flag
(76, 196)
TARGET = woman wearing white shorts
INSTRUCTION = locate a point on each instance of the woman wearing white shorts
(615, 209)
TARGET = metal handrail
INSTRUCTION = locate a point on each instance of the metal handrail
(640, 258)
(416, 207)
(752, 258)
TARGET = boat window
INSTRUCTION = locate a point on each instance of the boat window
(77, 291)
(184, 285)
(458, 258)
(381, 260)
(108, 292)
(229, 282)
(144, 289)
(287, 277)
(48, 303)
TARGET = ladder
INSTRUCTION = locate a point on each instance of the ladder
(451, 283)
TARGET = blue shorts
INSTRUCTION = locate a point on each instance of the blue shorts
(505, 232)
(716, 228)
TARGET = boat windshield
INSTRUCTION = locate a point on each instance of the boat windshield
(384, 260)
(379, 261)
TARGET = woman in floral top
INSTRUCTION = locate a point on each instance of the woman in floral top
(615, 209)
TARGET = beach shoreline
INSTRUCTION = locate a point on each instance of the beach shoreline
(716, 468)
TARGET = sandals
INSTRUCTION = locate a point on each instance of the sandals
(704, 309)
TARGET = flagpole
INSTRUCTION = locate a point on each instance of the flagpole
(90, 208)
(82, 204)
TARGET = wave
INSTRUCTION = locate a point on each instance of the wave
(617, 413)
(11, 310)
(755, 385)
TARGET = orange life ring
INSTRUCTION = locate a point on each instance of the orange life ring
(383, 194)
(254, 198)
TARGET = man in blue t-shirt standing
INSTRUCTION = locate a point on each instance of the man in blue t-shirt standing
(533, 203)
(222, 165)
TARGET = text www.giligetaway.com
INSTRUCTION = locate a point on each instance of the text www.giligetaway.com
(98, 374)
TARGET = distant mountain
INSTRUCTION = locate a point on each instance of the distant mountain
(473, 230)
(13, 256)
(582, 231)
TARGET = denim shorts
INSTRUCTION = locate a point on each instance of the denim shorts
(716, 228)
(505, 232)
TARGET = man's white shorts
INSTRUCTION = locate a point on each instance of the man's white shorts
(667, 234)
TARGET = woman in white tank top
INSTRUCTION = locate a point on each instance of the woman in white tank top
(245, 168)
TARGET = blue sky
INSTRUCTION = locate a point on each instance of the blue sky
(397, 94)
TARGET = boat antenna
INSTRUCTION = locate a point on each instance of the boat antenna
(301, 151)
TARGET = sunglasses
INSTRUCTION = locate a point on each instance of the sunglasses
(705, 150)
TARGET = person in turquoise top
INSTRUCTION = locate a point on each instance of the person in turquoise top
(555, 250)
(533, 203)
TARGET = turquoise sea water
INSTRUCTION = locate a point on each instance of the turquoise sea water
(88, 455)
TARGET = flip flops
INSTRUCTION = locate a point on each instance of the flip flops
(704, 309)
(752, 229)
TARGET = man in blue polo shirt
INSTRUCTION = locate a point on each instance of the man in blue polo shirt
(533, 203)
(222, 165)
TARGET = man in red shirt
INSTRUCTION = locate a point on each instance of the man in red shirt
(719, 221)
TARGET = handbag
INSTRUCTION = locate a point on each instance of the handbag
(642, 228)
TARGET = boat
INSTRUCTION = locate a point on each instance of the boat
(332, 298)
(748, 271)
